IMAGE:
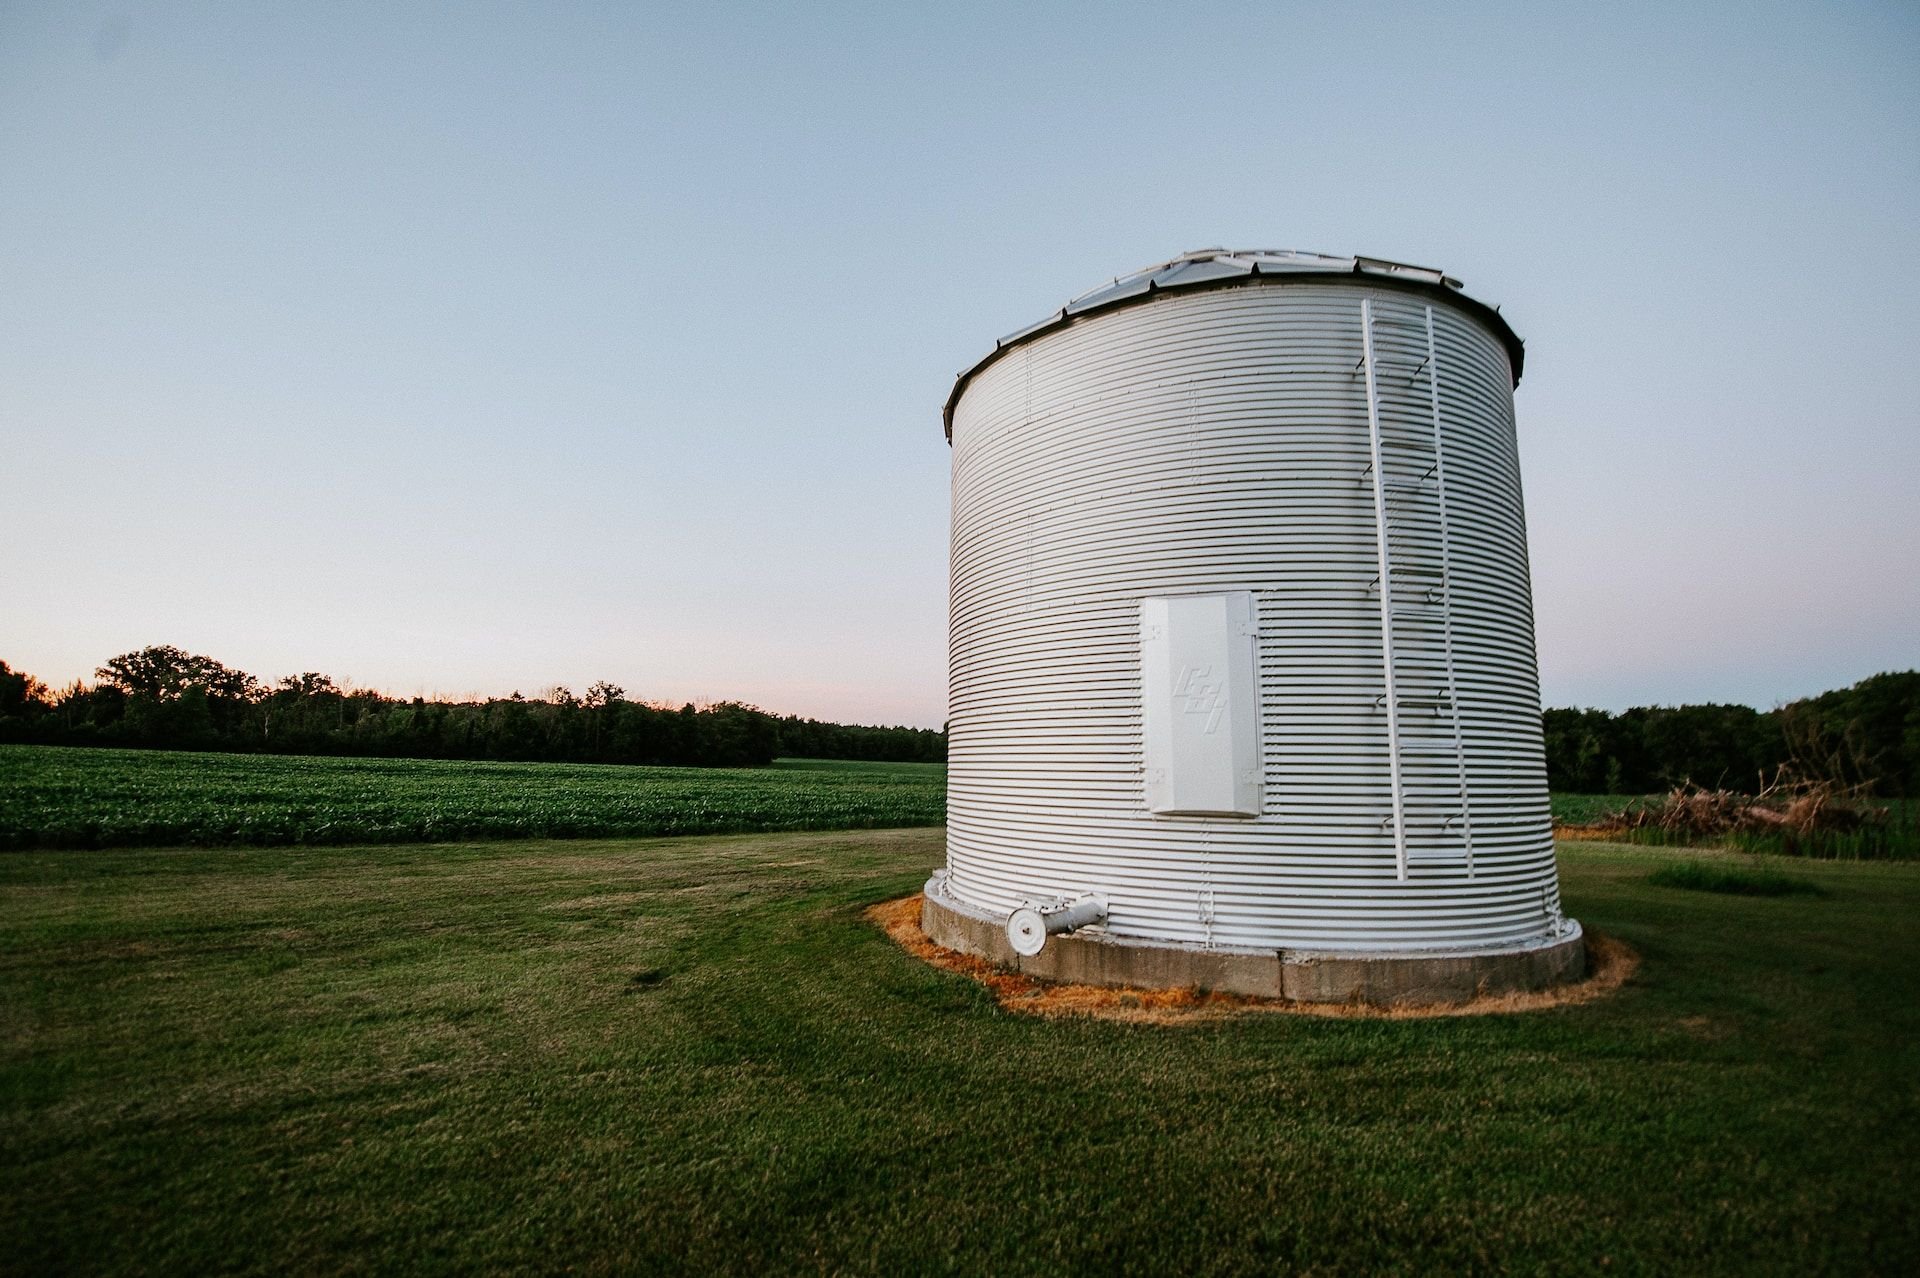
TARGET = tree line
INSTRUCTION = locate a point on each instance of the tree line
(1866, 736)
(164, 698)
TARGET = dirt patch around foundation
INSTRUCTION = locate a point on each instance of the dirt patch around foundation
(1610, 963)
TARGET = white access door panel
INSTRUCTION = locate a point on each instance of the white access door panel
(1201, 711)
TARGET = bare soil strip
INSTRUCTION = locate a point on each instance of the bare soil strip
(1610, 963)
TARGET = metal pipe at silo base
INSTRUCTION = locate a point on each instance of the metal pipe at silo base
(1029, 926)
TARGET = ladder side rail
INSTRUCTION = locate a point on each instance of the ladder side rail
(1446, 588)
(1386, 591)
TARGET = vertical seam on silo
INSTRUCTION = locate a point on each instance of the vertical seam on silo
(1446, 590)
(1385, 567)
(1206, 887)
(1026, 428)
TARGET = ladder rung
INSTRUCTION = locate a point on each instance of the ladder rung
(1429, 747)
(1439, 708)
(1421, 574)
(1443, 824)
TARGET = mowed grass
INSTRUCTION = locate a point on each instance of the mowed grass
(84, 798)
(1738, 880)
(695, 1055)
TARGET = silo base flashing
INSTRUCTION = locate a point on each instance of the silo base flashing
(1399, 979)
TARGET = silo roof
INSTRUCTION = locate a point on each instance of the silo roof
(1218, 268)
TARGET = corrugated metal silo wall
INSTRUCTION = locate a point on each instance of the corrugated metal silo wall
(1219, 440)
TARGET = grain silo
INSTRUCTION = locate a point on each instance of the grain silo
(1243, 691)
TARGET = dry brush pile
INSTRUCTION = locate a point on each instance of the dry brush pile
(1786, 815)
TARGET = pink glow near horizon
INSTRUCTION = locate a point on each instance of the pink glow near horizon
(332, 341)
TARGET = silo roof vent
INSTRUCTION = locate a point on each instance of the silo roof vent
(1219, 267)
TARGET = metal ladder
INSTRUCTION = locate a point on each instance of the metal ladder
(1432, 821)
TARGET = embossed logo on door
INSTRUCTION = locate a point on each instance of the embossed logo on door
(1201, 693)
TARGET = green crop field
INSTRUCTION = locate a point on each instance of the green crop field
(696, 1055)
(79, 798)
(1579, 809)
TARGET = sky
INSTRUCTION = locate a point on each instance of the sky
(468, 349)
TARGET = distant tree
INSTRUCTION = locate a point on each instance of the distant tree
(24, 701)
(166, 673)
(21, 695)
(1720, 746)
(1868, 734)
(168, 697)
(812, 738)
(603, 694)
(1578, 750)
(736, 735)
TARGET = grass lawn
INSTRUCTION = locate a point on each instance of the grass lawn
(695, 1055)
(83, 798)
